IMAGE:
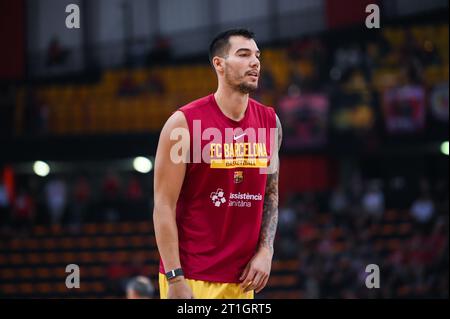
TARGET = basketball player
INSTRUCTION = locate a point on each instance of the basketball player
(215, 218)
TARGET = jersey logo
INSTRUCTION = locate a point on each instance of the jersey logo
(218, 197)
(238, 177)
(239, 136)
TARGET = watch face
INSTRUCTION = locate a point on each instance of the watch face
(173, 273)
(170, 274)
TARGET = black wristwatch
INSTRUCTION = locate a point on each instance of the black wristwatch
(174, 273)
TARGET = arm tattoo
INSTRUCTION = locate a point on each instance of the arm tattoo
(270, 210)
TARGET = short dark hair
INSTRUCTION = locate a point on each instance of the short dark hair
(142, 286)
(221, 42)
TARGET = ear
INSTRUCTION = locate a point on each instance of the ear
(218, 64)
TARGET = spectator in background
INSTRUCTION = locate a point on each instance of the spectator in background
(288, 104)
(23, 212)
(287, 220)
(355, 194)
(111, 186)
(56, 196)
(287, 224)
(81, 196)
(111, 189)
(373, 201)
(5, 209)
(134, 199)
(120, 270)
(134, 190)
(140, 288)
(118, 273)
(422, 209)
(339, 201)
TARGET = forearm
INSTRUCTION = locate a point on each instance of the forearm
(270, 214)
(270, 210)
(166, 234)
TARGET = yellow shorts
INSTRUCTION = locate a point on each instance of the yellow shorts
(208, 290)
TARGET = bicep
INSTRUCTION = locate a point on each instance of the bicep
(272, 178)
(280, 131)
(169, 171)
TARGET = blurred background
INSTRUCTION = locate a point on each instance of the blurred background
(364, 162)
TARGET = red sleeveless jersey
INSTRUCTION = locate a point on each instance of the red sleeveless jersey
(219, 210)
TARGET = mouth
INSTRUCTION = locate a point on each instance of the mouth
(254, 74)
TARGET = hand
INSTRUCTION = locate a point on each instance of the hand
(179, 289)
(256, 273)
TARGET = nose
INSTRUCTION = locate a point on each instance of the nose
(254, 62)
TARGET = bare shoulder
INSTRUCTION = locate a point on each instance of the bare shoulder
(177, 119)
(175, 130)
(175, 125)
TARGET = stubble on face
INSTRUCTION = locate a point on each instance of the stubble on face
(238, 82)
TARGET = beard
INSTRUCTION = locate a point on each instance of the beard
(247, 88)
(240, 85)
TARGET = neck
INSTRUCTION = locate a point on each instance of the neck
(232, 103)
